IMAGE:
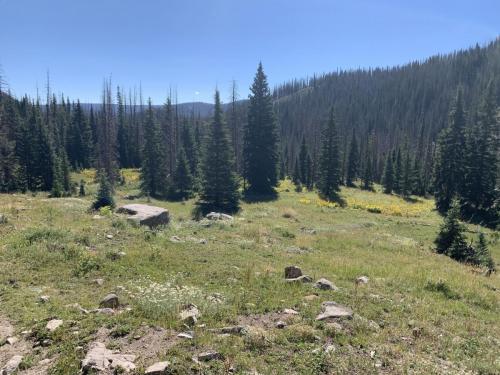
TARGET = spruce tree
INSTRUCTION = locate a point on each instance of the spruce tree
(219, 187)
(449, 169)
(398, 172)
(261, 140)
(407, 179)
(183, 181)
(483, 255)
(388, 175)
(296, 174)
(367, 177)
(303, 160)
(329, 164)
(352, 162)
(104, 197)
(153, 170)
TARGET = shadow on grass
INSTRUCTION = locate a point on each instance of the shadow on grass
(253, 197)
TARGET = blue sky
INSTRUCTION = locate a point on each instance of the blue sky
(196, 45)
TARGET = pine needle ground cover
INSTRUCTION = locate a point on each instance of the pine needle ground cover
(419, 313)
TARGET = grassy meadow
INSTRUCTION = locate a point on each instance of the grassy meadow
(420, 313)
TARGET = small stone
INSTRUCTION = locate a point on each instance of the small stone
(44, 299)
(329, 348)
(292, 272)
(372, 354)
(290, 312)
(175, 239)
(45, 361)
(325, 284)
(209, 356)
(109, 236)
(46, 342)
(300, 279)
(310, 297)
(190, 315)
(104, 311)
(12, 365)
(11, 340)
(186, 335)
(362, 280)
(334, 310)
(233, 330)
(97, 217)
(158, 368)
(53, 324)
(280, 324)
(110, 301)
(99, 282)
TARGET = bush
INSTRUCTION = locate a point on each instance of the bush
(104, 196)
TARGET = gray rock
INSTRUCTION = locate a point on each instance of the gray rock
(292, 272)
(362, 280)
(11, 340)
(110, 301)
(53, 324)
(219, 216)
(209, 356)
(159, 368)
(186, 335)
(190, 314)
(144, 214)
(175, 239)
(290, 312)
(334, 310)
(301, 279)
(99, 281)
(44, 299)
(280, 324)
(325, 284)
(12, 365)
(99, 358)
(233, 330)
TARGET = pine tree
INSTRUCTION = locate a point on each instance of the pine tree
(483, 255)
(296, 174)
(9, 121)
(449, 164)
(388, 176)
(192, 152)
(219, 188)
(407, 180)
(183, 181)
(104, 197)
(153, 170)
(261, 140)
(329, 165)
(451, 238)
(304, 163)
(353, 161)
(367, 177)
(398, 172)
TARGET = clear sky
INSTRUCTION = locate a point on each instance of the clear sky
(196, 45)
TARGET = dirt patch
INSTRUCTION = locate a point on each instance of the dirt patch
(267, 320)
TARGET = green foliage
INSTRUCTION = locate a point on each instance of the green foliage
(219, 187)
(388, 176)
(353, 162)
(329, 166)
(104, 197)
(260, 150)
(183, 181)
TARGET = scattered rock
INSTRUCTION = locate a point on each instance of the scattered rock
(292, 272)
(280, 324)
(99, 358)
(297, 250)
(109, 236)
(301, 279)
(159, 368)
(77, 306)
(175, 239)
(329, 348)
(12, 365)
(210, 356)
(144, 214)
(290, 312)
(186, 335)
(308, 230)
(121, 254)
(53, 324)
(110, 301)
(44, 299)
(362, 280)
(11, 340)
(97, 217)
(233, 330)
(325, 284)
(334, 310)
(99, 282)
(219, 216)
(190, 315)
(104, 310)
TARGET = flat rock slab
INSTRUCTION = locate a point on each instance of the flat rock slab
(334, 310)
(53, 324)
(99, 358)
(325, 284)
(12, 365)
(159, 368)
(144, 214)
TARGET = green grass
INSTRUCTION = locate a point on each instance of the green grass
(435, 315)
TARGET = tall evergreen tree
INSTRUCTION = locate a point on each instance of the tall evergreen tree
(153, 170)
(183, 181)
(305, 163)
(449, 164)
(261, 139)
(329, 171)
(388, 176)
(219, 187)
(352, 162)
(398, 172)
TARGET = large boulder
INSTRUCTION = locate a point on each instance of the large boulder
(292, 272)
(99, 359)
(144, 214)
(12, 365)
